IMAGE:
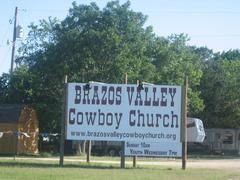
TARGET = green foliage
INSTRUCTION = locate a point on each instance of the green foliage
(16, 88)
(228, 55)
(4, 80)
(220, 88)
(174, 60)
(89, 44)
(93, 44)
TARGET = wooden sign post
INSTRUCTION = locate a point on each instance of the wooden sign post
(122, 164)
(135, 157)
(62, 140)
(184, 123)
(88, 151)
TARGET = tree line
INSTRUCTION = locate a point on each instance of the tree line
(93, 44)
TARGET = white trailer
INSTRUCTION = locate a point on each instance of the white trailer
(195, 130)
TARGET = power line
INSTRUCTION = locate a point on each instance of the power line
(45, 10)
(217, 35)
(193, 12)
(158, 11)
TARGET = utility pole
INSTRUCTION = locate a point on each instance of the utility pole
(14, 39)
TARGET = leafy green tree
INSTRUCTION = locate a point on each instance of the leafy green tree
(19, 86)
(233, 54)
(174, 60)
(203, 54)
(89, 44)
(15, 88)
(220, 89)
(100, 45)
(4, 81)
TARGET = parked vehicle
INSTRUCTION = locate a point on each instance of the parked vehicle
(111, 148)
(195, 136)
(195, 130)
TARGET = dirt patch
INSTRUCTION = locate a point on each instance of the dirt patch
(212, 164)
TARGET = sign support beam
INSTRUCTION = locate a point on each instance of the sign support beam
(135, 157)
(64, 114)
(184, 123)
(88, 151)
(122, 165)
(134, 161)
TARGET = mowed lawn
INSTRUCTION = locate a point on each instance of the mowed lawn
(45, 170)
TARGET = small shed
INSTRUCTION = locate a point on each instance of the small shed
(19, 129)
(223, 140)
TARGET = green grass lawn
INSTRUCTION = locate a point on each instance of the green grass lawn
(34, 169)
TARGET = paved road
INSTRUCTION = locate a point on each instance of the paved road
(200, 163)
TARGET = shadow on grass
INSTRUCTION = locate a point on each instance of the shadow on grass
(49, 165)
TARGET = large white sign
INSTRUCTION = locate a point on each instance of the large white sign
(153, 149)
(123, 112)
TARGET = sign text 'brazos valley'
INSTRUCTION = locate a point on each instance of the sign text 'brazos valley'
(130, 95)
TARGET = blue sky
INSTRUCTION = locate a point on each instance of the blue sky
(211, 23)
